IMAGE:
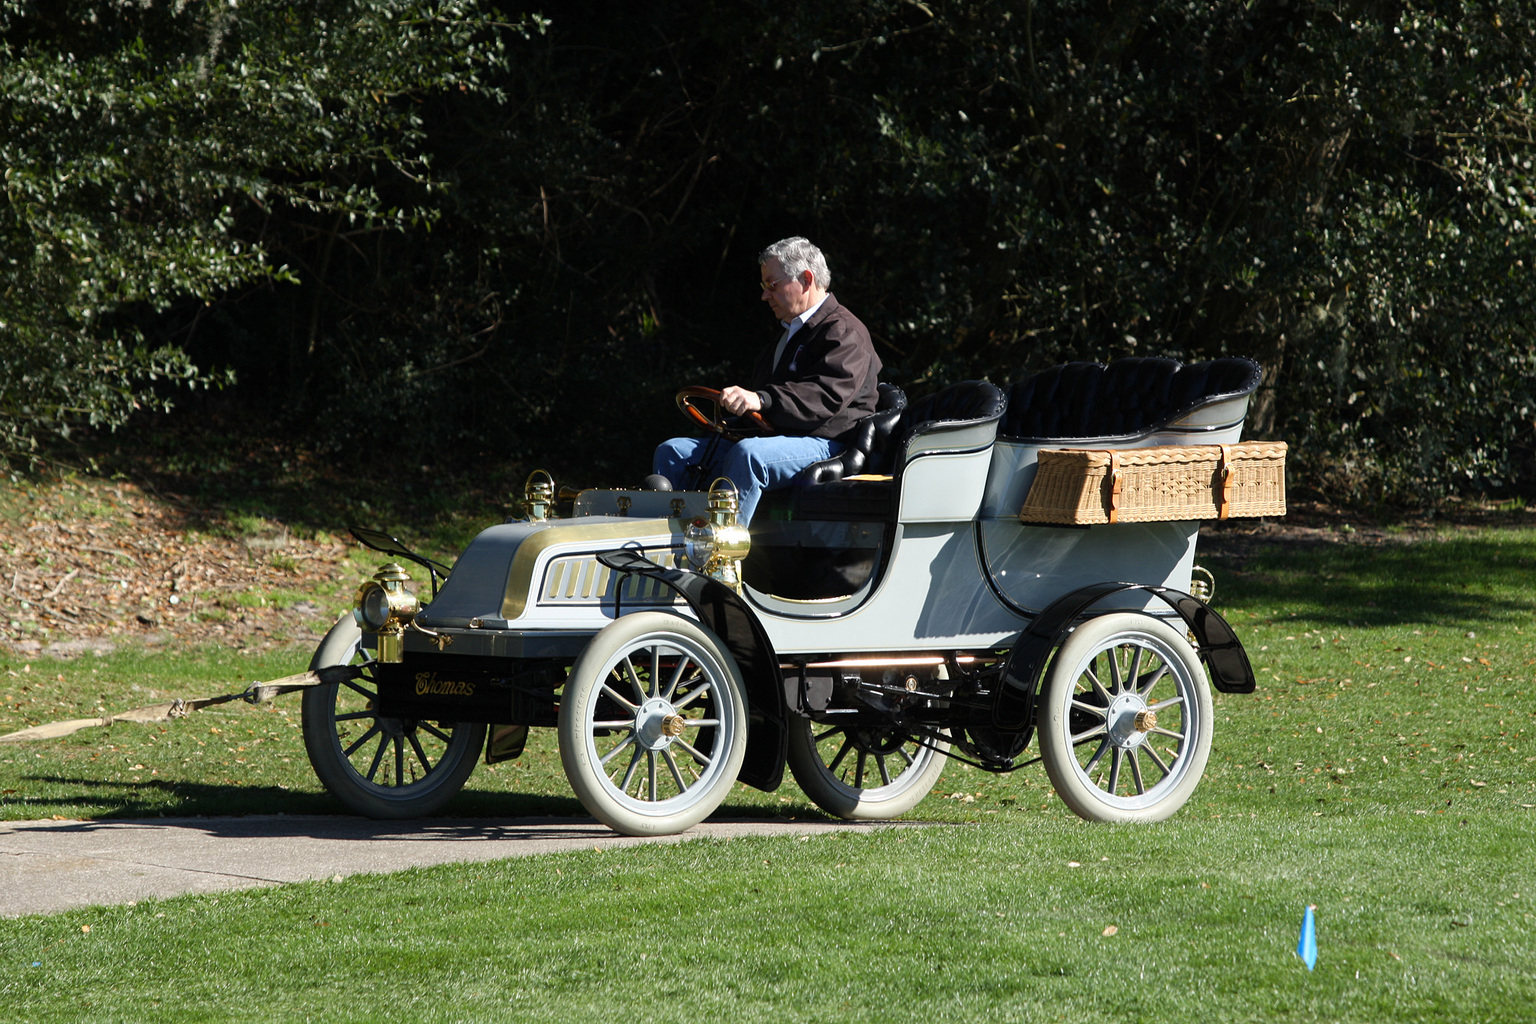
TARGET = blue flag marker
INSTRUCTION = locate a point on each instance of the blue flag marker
(1306, 948)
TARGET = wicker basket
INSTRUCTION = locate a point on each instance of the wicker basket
(1088, 486)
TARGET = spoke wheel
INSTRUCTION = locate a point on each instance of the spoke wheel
(380, 767)
(862, 773)
(653, 724)
(1126, 726)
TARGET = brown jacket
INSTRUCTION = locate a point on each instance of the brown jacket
(826, 380)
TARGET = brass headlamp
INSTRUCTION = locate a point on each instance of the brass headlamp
(716, 545)
(384, 606)
(538, 496)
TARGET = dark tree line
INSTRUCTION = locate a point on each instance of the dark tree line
(446, 229)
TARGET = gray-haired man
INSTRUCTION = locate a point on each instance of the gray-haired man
(813, 386)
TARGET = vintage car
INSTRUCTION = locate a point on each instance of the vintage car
(925, 595)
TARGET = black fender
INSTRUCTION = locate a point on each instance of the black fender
(1014, 706)
(725, 614)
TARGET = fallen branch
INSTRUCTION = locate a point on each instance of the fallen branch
(67, 577)
(256, 693)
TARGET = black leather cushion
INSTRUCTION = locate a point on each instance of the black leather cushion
(1213, 380)
(1129, 396)
(823, 496)
(1058, 402)
(970, 401)
(869, 434)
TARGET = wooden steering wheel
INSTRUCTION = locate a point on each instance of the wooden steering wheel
(716, 421)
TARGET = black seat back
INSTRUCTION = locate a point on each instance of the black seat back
(869, 435)
(1127, 397)
(958, 405)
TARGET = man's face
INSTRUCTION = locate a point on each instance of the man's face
(785, 295)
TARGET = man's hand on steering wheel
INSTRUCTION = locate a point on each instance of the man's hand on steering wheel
(751, 420)
(740, 401)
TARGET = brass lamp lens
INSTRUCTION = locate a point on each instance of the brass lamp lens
(699, 543)
(373, 607)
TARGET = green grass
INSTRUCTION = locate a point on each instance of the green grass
(1384, 771)
(1040, 919)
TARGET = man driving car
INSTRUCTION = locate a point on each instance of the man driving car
(812, 386)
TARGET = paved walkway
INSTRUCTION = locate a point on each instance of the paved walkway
(48, 866)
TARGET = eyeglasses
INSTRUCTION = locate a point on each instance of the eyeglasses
(768, 286)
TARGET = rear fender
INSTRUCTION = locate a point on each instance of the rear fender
(725, 614)
(1014, 706)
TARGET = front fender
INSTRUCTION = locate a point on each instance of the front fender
(340, 643)
(1014, 706)
(726, 615)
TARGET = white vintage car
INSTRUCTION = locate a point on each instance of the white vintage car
(928, 594)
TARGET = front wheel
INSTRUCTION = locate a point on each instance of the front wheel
(1126, 725)
(863, 773)
(380, 767)
(653, 724)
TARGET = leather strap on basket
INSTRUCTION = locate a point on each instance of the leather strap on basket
(1114, 486)
(1228, 479)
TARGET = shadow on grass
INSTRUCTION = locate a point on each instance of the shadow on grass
(156, 797)
(151, 797)
(581, 829)
(1434, 581)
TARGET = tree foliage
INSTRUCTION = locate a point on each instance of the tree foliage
(148, 145)
(526, 240)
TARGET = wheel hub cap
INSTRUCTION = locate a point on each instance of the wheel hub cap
(1130, 720)
(657, 724)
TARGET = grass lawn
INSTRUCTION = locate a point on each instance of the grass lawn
(1384, 772)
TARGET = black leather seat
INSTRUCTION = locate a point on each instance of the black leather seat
(871, 436)
(825, 537)
(959, 405)
(840, 499)
(1126, 398)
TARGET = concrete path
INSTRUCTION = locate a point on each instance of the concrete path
(48, 866)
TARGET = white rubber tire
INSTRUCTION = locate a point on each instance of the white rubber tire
(377, 767)
(653, 724)
(1126, 721)
(833, 765)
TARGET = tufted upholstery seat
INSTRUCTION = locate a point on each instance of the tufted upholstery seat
(1125, 398)
(881, 441)
(824, 537)
(872, 435)
(959, 405)
(965, 404)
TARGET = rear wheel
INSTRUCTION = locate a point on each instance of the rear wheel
(380, 767)
(653, 724)
(863, 773)
(1125, 729)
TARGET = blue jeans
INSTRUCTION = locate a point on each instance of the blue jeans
(754, 464)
